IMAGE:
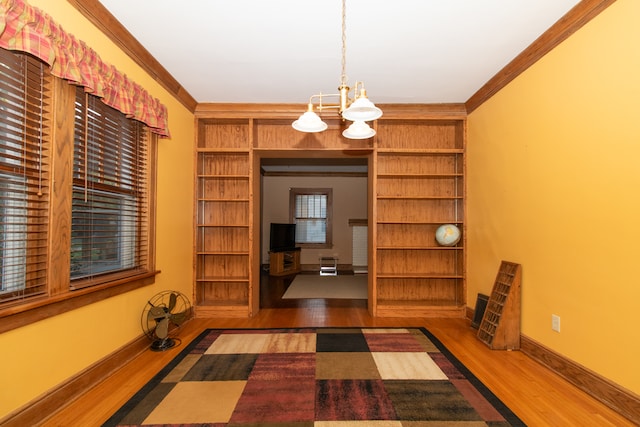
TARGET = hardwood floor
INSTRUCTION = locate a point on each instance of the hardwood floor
(538, 396)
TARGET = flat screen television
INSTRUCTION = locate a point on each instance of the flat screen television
(282, 237)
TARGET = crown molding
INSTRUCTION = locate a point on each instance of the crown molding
(99, 16)
(571, 22)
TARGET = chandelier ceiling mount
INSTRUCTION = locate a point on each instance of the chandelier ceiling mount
(358, 109)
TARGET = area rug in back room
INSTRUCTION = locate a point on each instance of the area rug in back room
(385, 377)
(348, 286)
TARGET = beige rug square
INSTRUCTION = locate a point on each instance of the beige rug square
(401, 366)
(239, 344)
(193, 398)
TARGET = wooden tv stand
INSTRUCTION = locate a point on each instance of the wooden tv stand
(283, 263)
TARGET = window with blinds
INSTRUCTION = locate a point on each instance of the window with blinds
(311, 212)
(109, 228)
(25, 92)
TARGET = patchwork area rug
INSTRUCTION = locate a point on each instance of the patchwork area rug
(315, 377)
(337, 287)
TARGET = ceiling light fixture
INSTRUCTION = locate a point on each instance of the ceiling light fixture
(359, 110)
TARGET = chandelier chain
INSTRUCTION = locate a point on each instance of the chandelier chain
(343, 77)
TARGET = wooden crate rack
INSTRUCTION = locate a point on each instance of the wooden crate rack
(500, 326)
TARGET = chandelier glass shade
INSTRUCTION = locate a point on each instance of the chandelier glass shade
(358, 109)
(362, 109)
(309, 122)
(358, 130)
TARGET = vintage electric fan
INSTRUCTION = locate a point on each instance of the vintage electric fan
(161, 317)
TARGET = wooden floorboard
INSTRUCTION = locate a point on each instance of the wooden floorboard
(536, 394)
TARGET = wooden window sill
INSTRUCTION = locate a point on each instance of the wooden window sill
(16, 316)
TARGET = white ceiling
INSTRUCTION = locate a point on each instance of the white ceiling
(284, 51)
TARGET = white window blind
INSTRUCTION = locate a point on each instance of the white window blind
(311, 218)
(310, 209)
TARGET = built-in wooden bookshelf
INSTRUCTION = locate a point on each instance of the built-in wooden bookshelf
(223, 228)
(419, 187)
(416, 183)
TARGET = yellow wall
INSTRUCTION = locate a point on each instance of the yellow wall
(38, 357)
(554, 184)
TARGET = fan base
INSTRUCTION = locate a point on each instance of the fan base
(163, 344)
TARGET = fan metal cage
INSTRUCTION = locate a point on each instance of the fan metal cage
(162, 316)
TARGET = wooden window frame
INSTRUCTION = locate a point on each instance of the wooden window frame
(328, 192)
(109, 204)
(60, 297)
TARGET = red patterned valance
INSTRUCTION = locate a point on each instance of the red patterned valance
(28, 29)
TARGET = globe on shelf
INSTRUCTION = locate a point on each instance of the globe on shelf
(447, 235)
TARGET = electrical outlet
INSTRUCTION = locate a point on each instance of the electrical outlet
(555, 322)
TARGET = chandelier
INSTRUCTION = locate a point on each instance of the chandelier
(358, 109)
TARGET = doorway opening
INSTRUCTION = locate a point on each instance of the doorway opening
(348, 176)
